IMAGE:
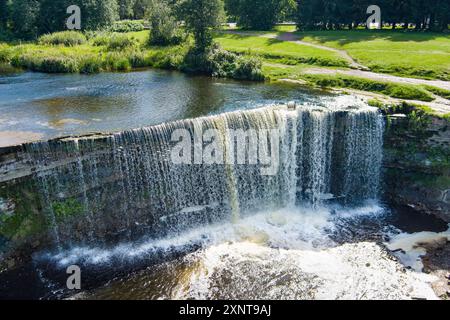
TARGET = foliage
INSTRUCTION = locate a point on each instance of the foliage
(127, 26)
(67, 209)
(66, 38)
(337, 14)
(259, 14)
(30, 18)
(218, 62)
(200, 16)
(24, 18)
(120, 42)
(164, 28)
(126, 8)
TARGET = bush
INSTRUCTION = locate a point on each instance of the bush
(117, 61)
(92, 64)
(120, 42)
(128, 26)
(66, 38)
(101, 39)
(218, 62)
(249, 68)
(48, 64)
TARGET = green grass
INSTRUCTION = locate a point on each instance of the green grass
(421, 55)
(439, 92)
(116, 55)
(280, 51)
(394, 90)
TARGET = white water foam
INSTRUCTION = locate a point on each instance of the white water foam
(289, 228)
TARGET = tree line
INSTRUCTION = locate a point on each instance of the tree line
(30, 18)
(338, 14)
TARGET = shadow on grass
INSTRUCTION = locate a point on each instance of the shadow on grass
(352, 36)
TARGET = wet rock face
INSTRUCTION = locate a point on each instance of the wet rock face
(104, 189)
(417, 166)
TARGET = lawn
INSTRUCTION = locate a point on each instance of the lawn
(281, 51)
(422, 55)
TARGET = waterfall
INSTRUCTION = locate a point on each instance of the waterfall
(125, 185)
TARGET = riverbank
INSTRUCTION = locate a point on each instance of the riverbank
(328, 59)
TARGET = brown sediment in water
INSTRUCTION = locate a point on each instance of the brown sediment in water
(11, 138)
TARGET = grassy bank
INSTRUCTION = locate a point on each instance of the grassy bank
(411, 54)
(279, 51)
(97, 52)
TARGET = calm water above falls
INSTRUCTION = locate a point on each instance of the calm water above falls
(42, 106)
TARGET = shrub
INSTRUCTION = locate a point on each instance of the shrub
(117, 61)
(120, 42)
(222, 63)
(66, 38)
(138, 59)
(249, 68)
(92, 64)
(128, 26)
(5, 53)
(101, 39)
(49, 64)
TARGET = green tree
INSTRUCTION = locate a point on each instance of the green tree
(164, 28)
(201, 17)
(3, 14)
(126, 9)
(260, 14)
(24, 18)
(140, 8)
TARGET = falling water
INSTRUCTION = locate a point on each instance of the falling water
(127, 186)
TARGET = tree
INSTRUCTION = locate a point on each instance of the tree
(52, 17)
(201, 16)
(140, 8)
(3, 14)
(24, 18)
(163, 24)
(259, 14)
(126, 9)
(336, 14)
(97, 14)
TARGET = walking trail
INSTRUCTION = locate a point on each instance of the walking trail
(440, 105)
(357, 69)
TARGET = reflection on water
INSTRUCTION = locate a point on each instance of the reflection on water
(60, 105)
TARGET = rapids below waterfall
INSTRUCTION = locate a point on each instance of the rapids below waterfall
(143, 227)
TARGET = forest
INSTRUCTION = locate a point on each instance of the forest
(26, 19)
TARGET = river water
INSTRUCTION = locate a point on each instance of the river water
(37, 106)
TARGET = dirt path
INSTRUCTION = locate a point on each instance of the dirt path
(381, 77)
(357, 70)
(291, 37)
